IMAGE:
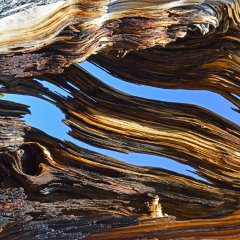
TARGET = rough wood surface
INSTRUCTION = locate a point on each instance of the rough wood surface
(54, 189)
(210, 64)
(69, 31)
(105, 117)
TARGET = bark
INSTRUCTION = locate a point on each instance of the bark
(54, 189)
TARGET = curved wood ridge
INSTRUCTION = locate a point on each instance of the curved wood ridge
(216, 228)
(105, 117)
(81, 184)
(55, 189)
(115, 194)
(47, 36)
(210, 64)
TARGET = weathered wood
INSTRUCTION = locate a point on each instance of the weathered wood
(211, 64)
(11, 126)
(69, 31)
(104, 117)
(54, 189)
(216, 228)
(51, 171)
(64, 167)
(197, 38)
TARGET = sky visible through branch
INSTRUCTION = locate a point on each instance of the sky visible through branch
(54, 126)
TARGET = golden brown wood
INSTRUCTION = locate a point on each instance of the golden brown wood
(54, 189)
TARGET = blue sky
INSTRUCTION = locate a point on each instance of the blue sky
(55, 127)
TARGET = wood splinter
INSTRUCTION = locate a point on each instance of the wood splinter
(155, 208)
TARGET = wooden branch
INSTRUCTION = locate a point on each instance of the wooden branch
(54, 189)
(64, 167)
(215, 228)
(211, 64)
(51, 171)
(120, 122)
(46, 36)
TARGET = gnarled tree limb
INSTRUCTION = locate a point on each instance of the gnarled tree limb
(52, 188)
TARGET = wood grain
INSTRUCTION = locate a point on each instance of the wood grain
(55, 189)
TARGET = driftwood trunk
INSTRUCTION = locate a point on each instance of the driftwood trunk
(54, 189)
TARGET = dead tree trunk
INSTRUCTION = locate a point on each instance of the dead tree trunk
(54, 189)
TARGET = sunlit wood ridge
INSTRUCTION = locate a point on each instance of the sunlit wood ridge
(54, 189)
